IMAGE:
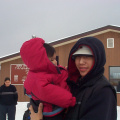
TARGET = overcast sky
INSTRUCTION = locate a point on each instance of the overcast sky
(52, 19)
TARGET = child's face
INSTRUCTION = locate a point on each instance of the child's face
(53, 59)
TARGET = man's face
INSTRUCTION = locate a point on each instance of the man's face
(7, 83)
(84, 64)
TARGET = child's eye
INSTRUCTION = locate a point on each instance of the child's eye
(53, 59)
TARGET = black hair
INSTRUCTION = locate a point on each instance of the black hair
(49, 50)
(7, 78)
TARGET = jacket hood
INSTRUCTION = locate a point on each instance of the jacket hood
(35, 57)
(98, 50)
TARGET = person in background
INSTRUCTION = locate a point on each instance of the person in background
(8, 100)
(26, 115)
(95, 96)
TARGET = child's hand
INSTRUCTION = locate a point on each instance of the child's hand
(36, 116)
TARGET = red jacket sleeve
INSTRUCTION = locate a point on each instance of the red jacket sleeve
(53, 94)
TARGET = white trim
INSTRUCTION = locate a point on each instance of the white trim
(110, 41)
(10, 72)
(9, 54)
(63, 43)
(94, 34)
(10, 59)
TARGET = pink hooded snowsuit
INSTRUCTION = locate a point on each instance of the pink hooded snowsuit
(45, 80)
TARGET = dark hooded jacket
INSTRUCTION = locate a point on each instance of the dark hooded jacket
(96, 98)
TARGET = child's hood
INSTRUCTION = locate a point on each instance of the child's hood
(35, 57)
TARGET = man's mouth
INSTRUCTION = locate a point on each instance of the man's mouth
(82, 69)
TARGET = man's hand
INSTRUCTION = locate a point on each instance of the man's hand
(36, 116)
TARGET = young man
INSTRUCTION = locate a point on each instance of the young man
(8, 100)
(96, 98)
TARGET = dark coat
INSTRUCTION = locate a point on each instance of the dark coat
(8, 95)
(26, 115)
(96, 98)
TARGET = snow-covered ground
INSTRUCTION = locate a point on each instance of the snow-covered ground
(118, 112)
(22, 107)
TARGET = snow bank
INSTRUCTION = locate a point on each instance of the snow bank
(21, 107)
(118, 112)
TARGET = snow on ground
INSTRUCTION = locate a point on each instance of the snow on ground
(118, 112)
(22, 107)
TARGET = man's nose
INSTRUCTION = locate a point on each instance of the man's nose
(82, 61)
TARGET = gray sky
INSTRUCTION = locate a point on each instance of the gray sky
(52, 19)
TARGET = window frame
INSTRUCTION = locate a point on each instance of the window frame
(107, 42)
(110, 80)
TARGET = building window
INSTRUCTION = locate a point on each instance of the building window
(110, 43)
(115, 77)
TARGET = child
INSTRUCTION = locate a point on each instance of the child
(26, 115)
(46, 81)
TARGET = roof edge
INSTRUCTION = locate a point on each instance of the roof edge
(111, 27)
(68, 40)
(9, 57)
